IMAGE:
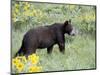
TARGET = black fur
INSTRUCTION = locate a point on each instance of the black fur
(45, 37)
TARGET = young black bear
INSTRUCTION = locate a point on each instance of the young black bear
(45, 37)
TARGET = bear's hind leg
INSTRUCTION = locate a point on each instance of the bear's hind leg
(49, 49)
(29, 52)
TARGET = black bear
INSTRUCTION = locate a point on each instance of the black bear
(45, 37)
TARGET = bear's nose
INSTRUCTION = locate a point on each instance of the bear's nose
(72, 33)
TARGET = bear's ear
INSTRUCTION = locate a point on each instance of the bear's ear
(69, 22)
(65, 23)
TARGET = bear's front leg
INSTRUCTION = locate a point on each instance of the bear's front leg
(62, 47)
(61, 42)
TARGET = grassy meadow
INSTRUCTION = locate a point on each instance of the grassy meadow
(79, 50)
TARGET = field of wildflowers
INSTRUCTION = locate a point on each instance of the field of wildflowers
(79, 50)
(21, 64)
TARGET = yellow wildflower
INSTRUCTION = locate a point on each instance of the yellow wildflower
(35, 69)
(15, 61)
(20, 66)
(33, 58)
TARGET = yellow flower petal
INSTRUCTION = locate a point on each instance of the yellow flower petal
(33, 58)
(20, 67)
(15, 61)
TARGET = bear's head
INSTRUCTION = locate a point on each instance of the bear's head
(68, 28)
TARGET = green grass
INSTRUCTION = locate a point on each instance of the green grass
(79, 53)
